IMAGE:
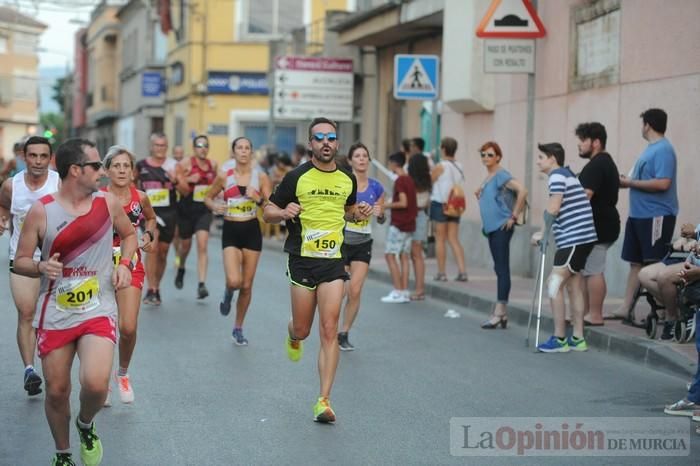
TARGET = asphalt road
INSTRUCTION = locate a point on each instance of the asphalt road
(200, 400)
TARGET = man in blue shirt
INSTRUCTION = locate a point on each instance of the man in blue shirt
(653, 203)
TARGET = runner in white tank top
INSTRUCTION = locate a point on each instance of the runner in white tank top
(16, 197)
(76, 310)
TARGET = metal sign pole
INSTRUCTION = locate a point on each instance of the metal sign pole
(530, 124)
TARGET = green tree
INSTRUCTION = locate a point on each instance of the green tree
(59, 93)
(54, 123)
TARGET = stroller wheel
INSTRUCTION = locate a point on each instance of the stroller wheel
(679, 332)
(651, 326)
(692, 328)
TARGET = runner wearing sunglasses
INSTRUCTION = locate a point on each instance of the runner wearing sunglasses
(194, 178)
(76, 310)
(316, 199)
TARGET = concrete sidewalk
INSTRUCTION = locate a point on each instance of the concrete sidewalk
(479, 294)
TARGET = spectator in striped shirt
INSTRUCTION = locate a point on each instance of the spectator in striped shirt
(575, 235)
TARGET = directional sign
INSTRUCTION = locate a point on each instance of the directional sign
(511, 19)
(416, 77)
(307, 87)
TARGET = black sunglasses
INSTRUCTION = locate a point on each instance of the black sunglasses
(202, 146)
(94, 165)
(487, 154)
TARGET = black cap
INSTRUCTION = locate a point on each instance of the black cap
(552, 148)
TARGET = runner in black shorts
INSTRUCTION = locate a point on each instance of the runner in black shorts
(357, 242)
(315, 200)
(245, 188)
(158, 184)
(194, 178)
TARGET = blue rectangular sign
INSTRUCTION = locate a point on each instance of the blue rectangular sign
(416, 77)
(151, 84)
(234, 82)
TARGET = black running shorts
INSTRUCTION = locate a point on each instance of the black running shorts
(356, 252)
(190, 221)
(242, 235)
(167, 221)
(309, 272)
(573, 257)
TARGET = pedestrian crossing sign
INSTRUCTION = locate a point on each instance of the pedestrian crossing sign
(416, 77)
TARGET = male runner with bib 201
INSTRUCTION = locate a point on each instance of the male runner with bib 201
(76, 311)
(316, 199)
(16, 198)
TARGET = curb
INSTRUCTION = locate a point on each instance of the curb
(648, 353)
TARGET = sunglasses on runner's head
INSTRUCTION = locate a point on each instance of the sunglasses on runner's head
(202, 145)
(487, 154)
(94, 165)
(330, 136)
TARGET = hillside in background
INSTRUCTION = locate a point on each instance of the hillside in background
(47, 77)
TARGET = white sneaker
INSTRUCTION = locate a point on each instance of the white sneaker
(406, 295)
(108, 400)
(126, 393)
(396, 296)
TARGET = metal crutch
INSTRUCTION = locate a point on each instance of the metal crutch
(534, 300)
(548, 222)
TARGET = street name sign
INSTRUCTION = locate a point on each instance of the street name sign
(509, 56)
(416, 77)
(307, 87)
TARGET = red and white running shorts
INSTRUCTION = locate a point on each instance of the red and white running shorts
(48, 340)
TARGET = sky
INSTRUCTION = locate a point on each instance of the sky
(57, 39)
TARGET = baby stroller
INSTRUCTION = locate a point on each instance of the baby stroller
(651, 323)
(688, 304)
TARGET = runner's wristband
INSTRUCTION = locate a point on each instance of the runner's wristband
(127, 263)
(149, 233)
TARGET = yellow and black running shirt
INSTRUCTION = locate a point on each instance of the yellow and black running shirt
(318, 230)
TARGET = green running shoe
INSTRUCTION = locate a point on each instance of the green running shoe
(62, 459)
(323, 411)
(90, 445)
(577, 344)
(295, 349)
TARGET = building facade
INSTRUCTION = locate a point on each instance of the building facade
(19, 77)
(143, 49)
(217, 68)
(601, 60)
(103, 65)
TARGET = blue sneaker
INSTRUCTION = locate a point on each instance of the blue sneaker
(225, 304)
(238, 337)
(554, 345)
(32, 382)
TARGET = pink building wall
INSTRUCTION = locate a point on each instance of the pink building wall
(659, 66)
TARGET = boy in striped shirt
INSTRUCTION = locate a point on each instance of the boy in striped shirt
(575, 235)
